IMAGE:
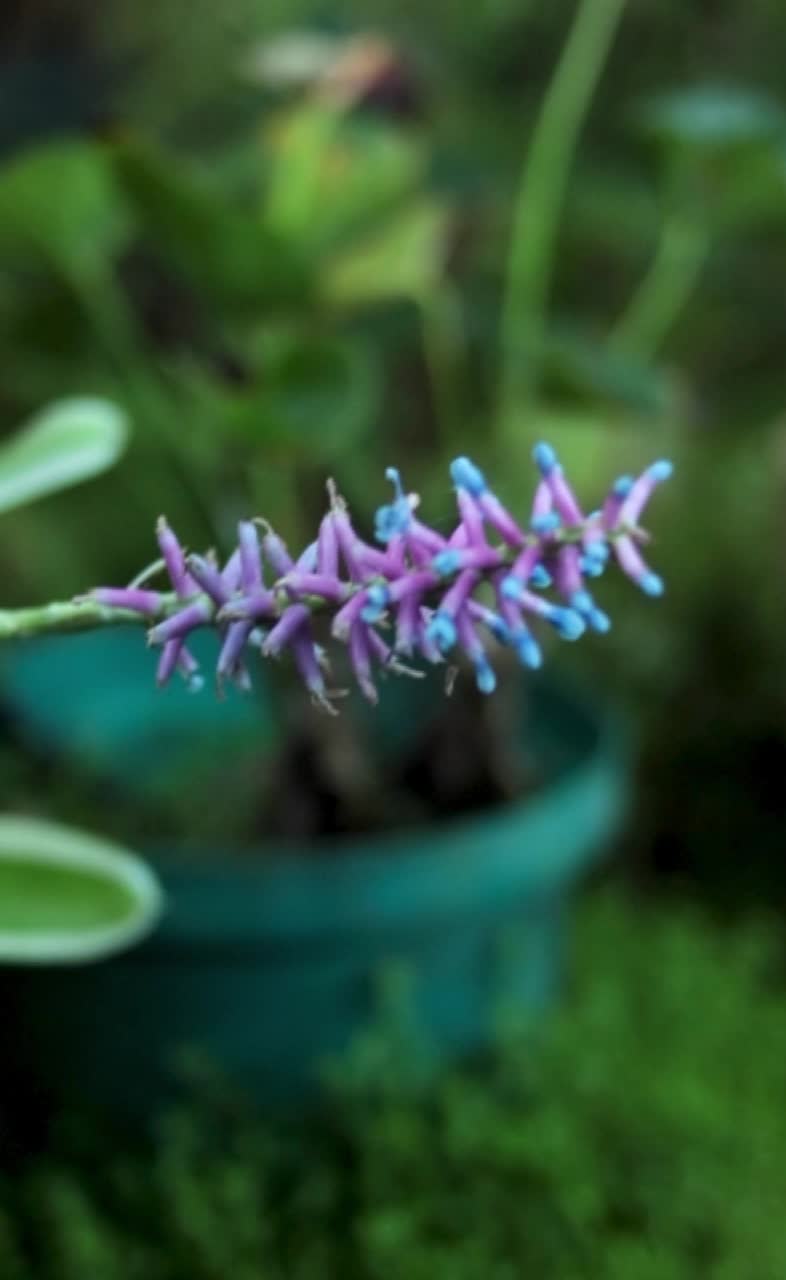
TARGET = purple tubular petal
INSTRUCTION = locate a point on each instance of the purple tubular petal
(349, 547)
(425, 536)
(345, 618)
(168, 661)
(524, 565)
(454, 599)
(458, 538)
(412, 584)
(565, 500)
(250, 557)
(327, 546)
(188, 666)
(543, 502)
(307, 560)
(306, 657)
(232, 572)
(146, 602)
(451, 560)
(642, 491)
(275, 552)
(232, 649)
(500, 519)
(635, 566)
(426, 646)
(188, 619)
(360, 658)
(471, 518)
(261, 604)
(209, 579)
(315, 584)
(282, 634)
(173, 557)
(407, 622)
(567, 571)
(615, 501)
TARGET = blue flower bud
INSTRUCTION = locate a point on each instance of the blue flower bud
(597, 550)
(599, 621)
(446, 562)
(511, 588)
(582, 602)
(622, 486)
(540, 577)
(441, 631)
(591, 567)
(651, 584)
(528, 650)
(396, 517)
(661, 470)
(545, 458)
(466, 475)
(378, 598)
(546, 523)
(567, 623)
(485, 678)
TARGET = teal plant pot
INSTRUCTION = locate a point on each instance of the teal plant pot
(267, 961)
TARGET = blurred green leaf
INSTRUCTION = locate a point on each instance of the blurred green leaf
(330, 178)
(66, 443)
(67, 897)
(60, 199)
(311, 396)
(712, 117)
(404, 259)
(590, 372)
(199, 226)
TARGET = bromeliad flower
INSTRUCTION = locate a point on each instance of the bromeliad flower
(415, 595)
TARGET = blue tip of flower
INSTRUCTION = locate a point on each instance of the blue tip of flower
(597, 550)
(567, 623)
(497, 626)
(545, 458)
(446, 562)
(511, 588)
(466, 475)
(599, 621)
(582, 602)
(651, 584)
(661, 470)
(441, 631)
(378, 598)
(540, 577)
(394, 476)
(392, 520)
(396, 517)
(591, 567)
(528, 651)
(545, 523)
(485, 678)
(622, 486)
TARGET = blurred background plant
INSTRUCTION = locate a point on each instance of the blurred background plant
(638, 1138)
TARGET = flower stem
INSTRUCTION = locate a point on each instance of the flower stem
(539, 199)
(665, 289)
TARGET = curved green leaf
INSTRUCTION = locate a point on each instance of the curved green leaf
(66, 443)
(67, 897)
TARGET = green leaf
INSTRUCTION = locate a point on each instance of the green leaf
(331, 178)
(588, 372)
(66, 443)
(312, 395)
(61, 200)
(712, 117)
(67, 897)
(405, 259)
(190, 218)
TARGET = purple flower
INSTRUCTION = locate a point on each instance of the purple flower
(418, 597)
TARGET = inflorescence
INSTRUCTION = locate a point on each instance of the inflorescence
(415, 595)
